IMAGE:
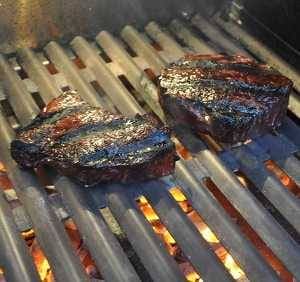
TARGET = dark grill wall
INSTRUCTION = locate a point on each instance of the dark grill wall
(35, 22)
(282, 16)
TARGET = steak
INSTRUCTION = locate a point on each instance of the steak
(232, 98)
(93, 145)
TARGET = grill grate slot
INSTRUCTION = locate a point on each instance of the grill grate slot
(135, 60)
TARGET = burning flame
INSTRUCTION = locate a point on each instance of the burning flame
(230, 264)
(41, 262)
(185, 266)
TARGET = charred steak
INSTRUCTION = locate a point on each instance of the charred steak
(93, 145)
(232, 98)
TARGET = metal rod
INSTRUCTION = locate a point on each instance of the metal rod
(276, 193)
(164, 40)
(190, 241)
(17, 262)
(70, 71)
(19, 98)
(281, 150)
(190, 39)
(291, 131)
(216, 35)
(112, 86)
(149, 248)
(135, 75)
(49, 231)
(104, 247)
(277, 239)
(132, 37)
(260, 50)
(291, 166)
(221, 224)
(39, 74)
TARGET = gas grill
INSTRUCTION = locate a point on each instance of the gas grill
(237, 191)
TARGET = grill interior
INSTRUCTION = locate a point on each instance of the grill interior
(247, 195)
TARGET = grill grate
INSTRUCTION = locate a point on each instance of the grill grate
(83, 205)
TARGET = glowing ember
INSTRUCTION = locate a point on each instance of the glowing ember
(189, 272)
(2, 168)
(206, 232)
(230, 264)
(5, 183)
(210, 237)
(41, 262)
(181, 150)
(167, 238)
(2, 279)
(242, 180)
(283, 177)
(250, 233)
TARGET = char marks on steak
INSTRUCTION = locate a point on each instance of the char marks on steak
(232, 98)
(93, 145)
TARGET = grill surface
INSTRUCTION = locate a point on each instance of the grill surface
(129, 56)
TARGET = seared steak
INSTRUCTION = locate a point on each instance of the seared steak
(93, 145)
(232, 98)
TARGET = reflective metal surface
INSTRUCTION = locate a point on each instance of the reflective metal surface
(33, 23)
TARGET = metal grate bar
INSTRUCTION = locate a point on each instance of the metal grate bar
(164, 40)
(271, 187)
(104, 247)
(20, 99)
(137, 78)
(221, 224)
(291, 130)
(132, 37)
(282, 151)
(264, 224)
(39, 74)
(48, 229)
(17, 263)
(194, 246)
(154, 256)
(216, 35)
(112, 86)
(68, 68)
(189, 38)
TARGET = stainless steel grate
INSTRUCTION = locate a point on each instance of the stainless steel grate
(105, 61)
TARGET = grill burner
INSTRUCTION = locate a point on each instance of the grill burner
(113, 77)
